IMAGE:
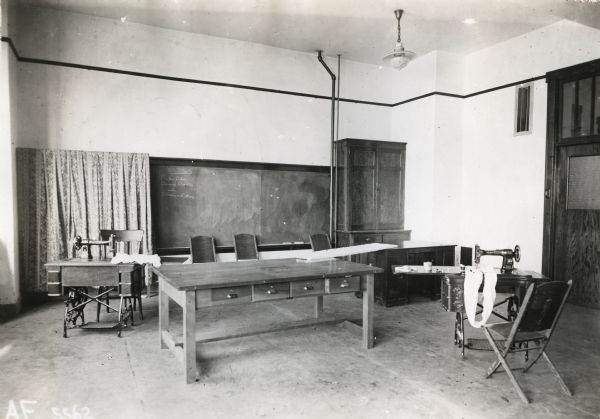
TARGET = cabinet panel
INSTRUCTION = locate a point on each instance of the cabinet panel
(360, 238)
(361, 186)
(389, 189)
(395, 238)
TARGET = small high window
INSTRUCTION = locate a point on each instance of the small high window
(523, 106)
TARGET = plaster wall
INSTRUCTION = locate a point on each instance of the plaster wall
(9, 284)
(503, 174)
(555, 46)
(432, 129)
(414, 123)
(92, 110)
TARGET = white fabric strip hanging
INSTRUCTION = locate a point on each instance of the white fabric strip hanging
(473, 278)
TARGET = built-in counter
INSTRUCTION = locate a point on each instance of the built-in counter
(392, 290)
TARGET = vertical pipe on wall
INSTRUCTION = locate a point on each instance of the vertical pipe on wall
(335, 155)
(332, 145)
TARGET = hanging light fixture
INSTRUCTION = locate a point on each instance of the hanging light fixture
(399, 57)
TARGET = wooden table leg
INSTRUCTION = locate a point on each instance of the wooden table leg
(318, 306)
(163, 314)
(189, 337)
(368, 300)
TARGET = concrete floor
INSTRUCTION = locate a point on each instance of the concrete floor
(317, 372)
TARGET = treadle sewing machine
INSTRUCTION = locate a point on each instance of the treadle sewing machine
(82, 246)
(508, 256)
(75, 277)
(512, 281)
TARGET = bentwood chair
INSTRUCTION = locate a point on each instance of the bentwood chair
(203, 249)
(319, 241)
(531, 331)
(245, 247)
(130, 242)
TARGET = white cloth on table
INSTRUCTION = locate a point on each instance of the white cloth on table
(473, 278)
(153, 260)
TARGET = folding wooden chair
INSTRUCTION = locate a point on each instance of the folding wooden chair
(531, 331)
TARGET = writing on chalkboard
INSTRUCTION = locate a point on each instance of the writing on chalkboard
(178, 185)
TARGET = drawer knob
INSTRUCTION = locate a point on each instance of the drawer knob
(344, 284)
(271, 291)
(308, 288)
(232, 295)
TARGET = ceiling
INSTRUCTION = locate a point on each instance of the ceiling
(360, 30)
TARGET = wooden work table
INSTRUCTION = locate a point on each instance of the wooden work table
(216, 284)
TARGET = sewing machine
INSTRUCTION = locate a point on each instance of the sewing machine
(508, 256)
(81, 247)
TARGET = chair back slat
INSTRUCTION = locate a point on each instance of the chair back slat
(319, 242)
(245, 246)
(544, 306)
(126, 241)
(203, 249)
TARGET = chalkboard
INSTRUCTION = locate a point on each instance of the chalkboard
(278, 203)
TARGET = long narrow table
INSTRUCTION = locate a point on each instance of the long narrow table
(216, 284)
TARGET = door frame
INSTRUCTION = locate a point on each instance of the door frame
(554, 143)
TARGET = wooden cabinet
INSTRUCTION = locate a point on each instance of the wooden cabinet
(370, 192)
(392, 290)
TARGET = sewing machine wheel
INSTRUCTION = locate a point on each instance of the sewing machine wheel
(517, 253)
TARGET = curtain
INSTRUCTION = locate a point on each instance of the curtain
(65, 193)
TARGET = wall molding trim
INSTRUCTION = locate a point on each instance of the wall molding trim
(255, 88)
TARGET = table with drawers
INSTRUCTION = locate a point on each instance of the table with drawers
(196, 286)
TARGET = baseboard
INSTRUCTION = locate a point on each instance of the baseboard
(9, 310)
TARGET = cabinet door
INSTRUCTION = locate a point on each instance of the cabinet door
(390, 196)
(361, 185)
(417, 257)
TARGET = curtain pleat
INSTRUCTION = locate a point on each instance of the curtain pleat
(65, 193)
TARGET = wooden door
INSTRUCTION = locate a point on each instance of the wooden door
(577, 222)
(572, 210)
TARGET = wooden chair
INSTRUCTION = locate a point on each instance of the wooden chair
(245, 247)
(319, 241)
(130, 242)
(531, 331)
(202, 249)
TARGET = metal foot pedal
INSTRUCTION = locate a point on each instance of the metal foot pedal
(481, 344)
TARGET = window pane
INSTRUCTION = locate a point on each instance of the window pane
(583, 183)
(568, 110)
(585, 106)
(597, 107)
(523, 107)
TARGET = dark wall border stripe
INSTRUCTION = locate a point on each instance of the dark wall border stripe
(242, 86)
(231, 164)
(504, 86)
